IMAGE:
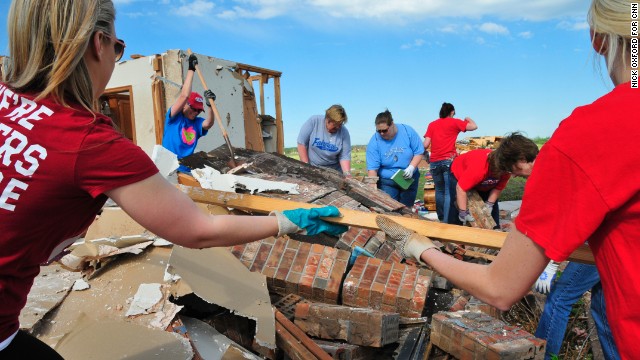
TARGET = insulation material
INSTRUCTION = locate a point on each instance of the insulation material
(109, 340)
(216, 276)
(212, 179)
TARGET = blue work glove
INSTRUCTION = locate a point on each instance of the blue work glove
(543, 284)
(465, 217)
(308, 222)
(408, 172)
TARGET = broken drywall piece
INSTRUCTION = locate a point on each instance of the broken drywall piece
(167, 163)
(108, 340)
(49, 289)
(145, 298)
(113, 222)
(80, 285)
(210, 344)
(89, 257)
(216, 276)
(212, 179)
(154, 299)
(162, 242)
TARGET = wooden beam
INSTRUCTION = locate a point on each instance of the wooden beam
(453, 233)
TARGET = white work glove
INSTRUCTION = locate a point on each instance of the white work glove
(465, 217)
(543, 284)
(409, 243)
(408, 172)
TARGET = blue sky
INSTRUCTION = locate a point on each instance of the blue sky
(508, 64)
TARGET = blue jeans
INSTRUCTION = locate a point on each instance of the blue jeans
(406, 197)
(575, 280)
(445, 191)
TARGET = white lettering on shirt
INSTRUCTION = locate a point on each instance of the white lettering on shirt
(42, 154)
(8, 193)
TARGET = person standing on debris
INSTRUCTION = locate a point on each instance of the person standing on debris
(441, 135)
(324, 141)
(570, 198)
(182, 125)
(392, 148)
(62, 159)
(488, 171)
(574, 281)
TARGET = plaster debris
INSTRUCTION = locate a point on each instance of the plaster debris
(80, 285)
(212, 179)
(211, 344)
(147, 296)
(167, 163)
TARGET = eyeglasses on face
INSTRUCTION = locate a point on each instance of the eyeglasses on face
(197, 111)
(118, 46)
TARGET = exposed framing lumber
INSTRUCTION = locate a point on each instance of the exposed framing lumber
(457, 234)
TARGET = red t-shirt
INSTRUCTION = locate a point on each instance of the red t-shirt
(585, 186)
(443, 134)
(55, 165)
(472, 171)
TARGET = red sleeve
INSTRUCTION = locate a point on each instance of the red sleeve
(462, 125)
(560, 208)
(107, 161)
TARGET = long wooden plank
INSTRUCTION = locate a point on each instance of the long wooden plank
(457, 234)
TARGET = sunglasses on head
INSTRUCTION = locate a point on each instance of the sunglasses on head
(118, 46)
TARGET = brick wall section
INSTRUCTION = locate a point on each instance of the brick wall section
(366, 327)
(370, 240)
(312, 271)
(387, 286)
(474, 335)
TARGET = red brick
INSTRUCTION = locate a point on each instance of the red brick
(261, 257)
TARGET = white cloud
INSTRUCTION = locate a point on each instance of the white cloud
(407, 10)
(195, 8)
(573, 26)
(526, 34)
(415, 44)
(493, 28)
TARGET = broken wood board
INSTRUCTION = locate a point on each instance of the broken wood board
(216, 276)
(453, 233)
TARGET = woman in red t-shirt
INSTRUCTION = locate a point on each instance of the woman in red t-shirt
(62, 159)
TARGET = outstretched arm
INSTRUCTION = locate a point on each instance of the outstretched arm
(503, 282)
(178, 104)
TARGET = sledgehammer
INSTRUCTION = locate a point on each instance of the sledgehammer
(216, 115)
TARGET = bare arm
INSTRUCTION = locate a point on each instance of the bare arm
(184, 94)
(471, 125)
(416, 160)
(303, 153)
(345, 165)
(503, 282)
(372, 172)
(208, 121)
(461, 198)
(494, 194)
(426, 143)
(172, 215)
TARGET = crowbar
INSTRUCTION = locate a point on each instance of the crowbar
(216, 115)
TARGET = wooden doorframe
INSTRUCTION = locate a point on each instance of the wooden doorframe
(125, 89)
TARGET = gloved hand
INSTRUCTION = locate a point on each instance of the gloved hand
(488, 206)
(208, 94)
(408, 172)
(308, 222)
(193, 61)
(543, 284)
(409, 243)
(465, 217)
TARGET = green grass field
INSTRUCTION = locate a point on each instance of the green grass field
(513, 191)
